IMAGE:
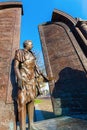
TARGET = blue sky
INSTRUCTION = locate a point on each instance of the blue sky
(39, 11)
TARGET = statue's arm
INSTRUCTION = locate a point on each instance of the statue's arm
(37, 70)
(16, 68)
(40, 73)
(17, 73)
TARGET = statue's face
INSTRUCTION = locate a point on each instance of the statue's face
(29, 45)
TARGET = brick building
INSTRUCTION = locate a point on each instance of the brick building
(64, 44)
(10, 18)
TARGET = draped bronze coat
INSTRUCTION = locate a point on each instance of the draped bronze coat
(29, 72)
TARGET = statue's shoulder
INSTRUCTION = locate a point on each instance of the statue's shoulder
(19, 55)
(19, 51)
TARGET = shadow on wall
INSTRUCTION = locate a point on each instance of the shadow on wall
(14, 90)
(70, 92)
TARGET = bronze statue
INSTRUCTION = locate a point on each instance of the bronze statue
(26, 72)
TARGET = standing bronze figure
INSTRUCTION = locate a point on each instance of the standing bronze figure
(26, 72)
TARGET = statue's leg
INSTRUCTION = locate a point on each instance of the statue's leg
(22, 119)
(22, 112)
(30, 108)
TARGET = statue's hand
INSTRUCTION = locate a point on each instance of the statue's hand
(47, 78)
(50, 78)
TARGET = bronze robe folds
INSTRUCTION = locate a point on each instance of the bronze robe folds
(27, 69)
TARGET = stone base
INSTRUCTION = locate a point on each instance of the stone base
(7, 116)
(62, 123)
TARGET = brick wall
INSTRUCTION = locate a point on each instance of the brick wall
(10, 18)
(63, 61)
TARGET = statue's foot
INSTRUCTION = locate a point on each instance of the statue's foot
(30, 126)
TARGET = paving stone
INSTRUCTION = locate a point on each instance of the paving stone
(63, 123)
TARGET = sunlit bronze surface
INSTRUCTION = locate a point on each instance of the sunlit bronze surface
(26, 71)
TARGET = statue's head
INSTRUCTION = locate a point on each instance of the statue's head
(28, 44)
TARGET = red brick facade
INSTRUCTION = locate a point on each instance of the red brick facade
(10, 18)
(66, 61)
